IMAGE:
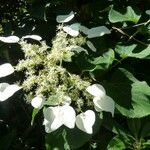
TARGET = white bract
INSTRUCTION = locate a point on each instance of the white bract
(73, 29)
(7, 90)
(85, 121)
(9, 39)
(37, 102)
(34, 37)
(55, 117)
(97, 31)
(101, 101)
(91, 46)
(6, 69)
(96, 90)
(147, 12)
(105, 103)
(84, 29)
(65, 18)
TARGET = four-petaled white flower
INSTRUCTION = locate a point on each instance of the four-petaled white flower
(55, 117)
(85, 121)
(101, 101)
(7, 90)
(6, 69)
(37, 102)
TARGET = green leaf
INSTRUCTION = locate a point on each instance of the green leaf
(106, 60)
(125, 15)
(34, 113)
(127, 51)
(140, 101)
(117, 144)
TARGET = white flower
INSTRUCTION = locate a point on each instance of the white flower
(105, 103)
(6, 69)
(55, 117)
(101, 101)
(65, 18)
(34, 37)
(73, 29)
(37, 102)
(96, 90)
(98, 31)
(85, 121)
(9, 39)
(7, 90)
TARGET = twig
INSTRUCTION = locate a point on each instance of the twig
(122, 32)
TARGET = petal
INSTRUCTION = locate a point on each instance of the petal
(104, 104)
(69, 116)
(72, 30)
(52, 118)
(147, 12)
(34, 37)
(96, 90)
(85, 121)
(98, 31)
(9, 39)
(65, 18)
(84, 29)
(8, 91)
(91, 46)
(37, 102)
(6, 69)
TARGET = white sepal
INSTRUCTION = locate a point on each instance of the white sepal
(65, 18)
(98, 31)
(96, 90)
(85, 121)
(105, 103)
(37, 102)
(69, 116)
(52, 119)
(7, 90)
(84, 29)
(9, 39)
(91, 46)
(55, 117)
(72, 30)
(6, 69)
(34, 37)
(147, 12)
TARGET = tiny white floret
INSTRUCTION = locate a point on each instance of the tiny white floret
(37, 102)
(9, 39)
(65, 18)
(7, 90)
(85, 121)
(6, 69)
